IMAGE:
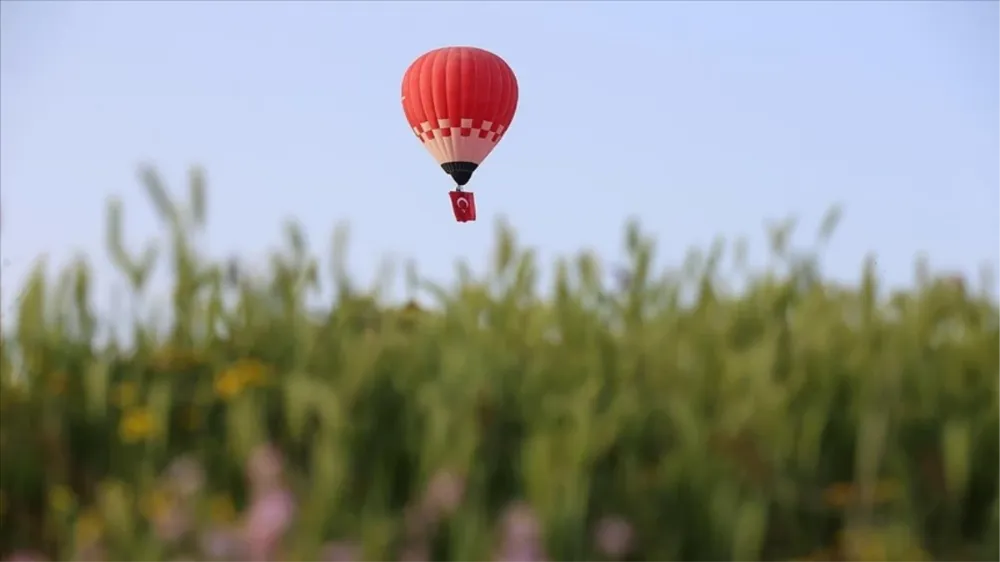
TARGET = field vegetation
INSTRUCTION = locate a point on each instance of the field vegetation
(613, 415)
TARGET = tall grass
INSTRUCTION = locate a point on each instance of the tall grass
(659, 417)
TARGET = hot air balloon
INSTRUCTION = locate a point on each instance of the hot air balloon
(460, 102)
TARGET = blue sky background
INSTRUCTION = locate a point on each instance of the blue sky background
(699, 118)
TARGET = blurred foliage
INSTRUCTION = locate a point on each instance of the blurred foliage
(796, 418)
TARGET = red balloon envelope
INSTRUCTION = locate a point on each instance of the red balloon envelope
(460, 102)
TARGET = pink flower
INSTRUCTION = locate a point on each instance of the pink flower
(341, 552)
(269, 518)
(222, 544)
(93, 552)
(520, 553)
(417, 522)
(520, 524)
(613, 537)
(521, 535)
(444, 493)
(415, 551)
(171, 525)
(265, 469)
(186, 476)
(26, 556)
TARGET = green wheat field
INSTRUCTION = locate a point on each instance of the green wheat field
(637, 415)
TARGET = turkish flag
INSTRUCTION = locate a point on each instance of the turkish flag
(464, 205)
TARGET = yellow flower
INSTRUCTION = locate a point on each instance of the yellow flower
(88, 529)
(862, 544)
(253, 373)
(887, 491)
(822, 555)
(13, 392)
(171, 359)
(243, 373)
(842, 494)
(125, 394)
(61, 499)
(228, 384)
(137, 424)
(221, 509)
(156, 504)
(57, 383)
(838, 494)
(191, 418)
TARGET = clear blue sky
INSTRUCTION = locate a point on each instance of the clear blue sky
(700, 118)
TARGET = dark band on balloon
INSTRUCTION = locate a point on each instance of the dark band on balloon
(461, 172)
